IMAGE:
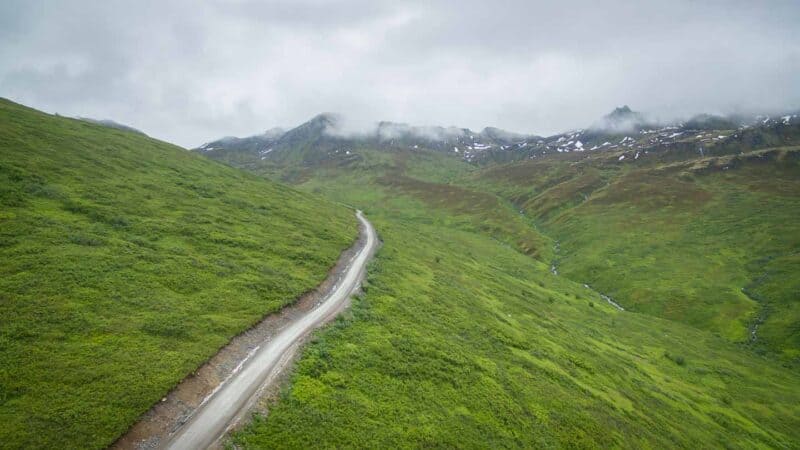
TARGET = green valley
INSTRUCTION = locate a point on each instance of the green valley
(688, 241)
(462, 340)
(465, 337)
(483, 321)
(349, 224)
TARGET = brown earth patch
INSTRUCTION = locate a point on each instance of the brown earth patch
(164, 418)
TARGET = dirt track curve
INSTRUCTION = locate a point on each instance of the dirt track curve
(226, 401)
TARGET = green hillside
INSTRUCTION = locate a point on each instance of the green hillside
(707, 238)
(463, 340)
(466, 338)
(711, 242)
(126, 262)
(697, 227)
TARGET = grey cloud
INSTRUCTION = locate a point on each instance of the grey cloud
(189, 72)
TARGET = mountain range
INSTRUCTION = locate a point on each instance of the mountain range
(622, 129)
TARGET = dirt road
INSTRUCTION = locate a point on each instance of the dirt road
(227, 403)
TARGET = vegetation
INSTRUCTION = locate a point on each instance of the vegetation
(462, 341)
(711, 242)
(423, 176)
(127, 262)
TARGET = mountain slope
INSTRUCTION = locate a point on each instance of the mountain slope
(466, 335)
(325, 137)
(126, 262)
(621, 120)
(624, 196)
(323, 140)
(463, 340)
(626, 132)
(111, 124)
(674, 234)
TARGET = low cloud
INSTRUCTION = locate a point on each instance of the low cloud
(190, 72)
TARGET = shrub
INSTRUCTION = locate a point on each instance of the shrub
(43, 190)
(119, 222)
(89, 241)
(168, 327)
(677, 359)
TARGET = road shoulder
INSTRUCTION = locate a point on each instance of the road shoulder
(156, 426)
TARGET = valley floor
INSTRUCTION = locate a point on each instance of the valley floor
(462, 340)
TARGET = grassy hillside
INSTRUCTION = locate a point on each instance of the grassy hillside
(423, 175)
(125, 263)
(711, 242)
(463, 341)
(466, 339)
(705, 237)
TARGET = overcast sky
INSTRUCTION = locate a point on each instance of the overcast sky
(188, 73)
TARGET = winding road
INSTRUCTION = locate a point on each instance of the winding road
(234, 396)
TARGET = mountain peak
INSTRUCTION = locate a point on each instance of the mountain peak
(621, 110)
(313, 130)
(326, 118)
(502, 136)
(274, 132)
(621, 119)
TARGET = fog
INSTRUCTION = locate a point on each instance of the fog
(189, 73)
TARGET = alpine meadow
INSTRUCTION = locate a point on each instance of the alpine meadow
(308, 224)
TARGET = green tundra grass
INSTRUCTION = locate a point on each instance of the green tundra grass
(711, 242)
(125, 262)
(464, 341)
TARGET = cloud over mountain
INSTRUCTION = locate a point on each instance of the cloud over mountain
(190, 72)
